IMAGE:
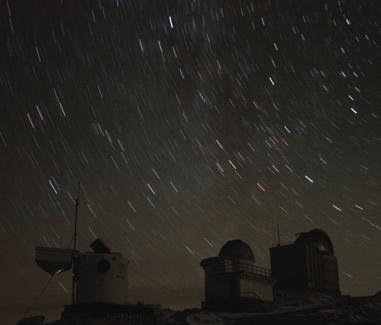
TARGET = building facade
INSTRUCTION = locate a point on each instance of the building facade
(307, 264)
(234, 283)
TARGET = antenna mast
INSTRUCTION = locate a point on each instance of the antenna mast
(75, 243)
(76, 215)
(277, 229)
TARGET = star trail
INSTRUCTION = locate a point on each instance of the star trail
(188, 123)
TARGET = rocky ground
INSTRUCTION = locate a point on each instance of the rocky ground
(312, 310)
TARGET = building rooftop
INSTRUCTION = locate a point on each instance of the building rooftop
(237, 249)
(317, 238)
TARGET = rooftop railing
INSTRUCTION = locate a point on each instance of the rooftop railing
(245, 268)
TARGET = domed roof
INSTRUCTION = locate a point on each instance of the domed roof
(237, 249)
(317, 238)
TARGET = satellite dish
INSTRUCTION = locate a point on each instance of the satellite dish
(53, 260)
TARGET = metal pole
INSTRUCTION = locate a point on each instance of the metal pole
(277, 228)
(76, 215)
(75, 244)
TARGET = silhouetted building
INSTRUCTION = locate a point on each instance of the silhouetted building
(100, 283)
(101, 277)
(234, 283)
(307, 264)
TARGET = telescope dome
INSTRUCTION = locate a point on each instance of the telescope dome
(316, 238)
(237, 249)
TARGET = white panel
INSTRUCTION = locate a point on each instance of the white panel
(102, 278)
(52, 260)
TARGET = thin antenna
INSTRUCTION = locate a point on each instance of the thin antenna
(76, 215)
(277, 229)
(75, 243)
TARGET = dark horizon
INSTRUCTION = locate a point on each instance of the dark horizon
(188, 124)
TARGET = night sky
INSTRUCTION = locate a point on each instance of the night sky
(188, 123)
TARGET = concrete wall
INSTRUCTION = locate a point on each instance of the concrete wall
(315, 278)
(331, 273)
(288, 267)
(257, 289)
(298, 267)
(226, 280)
(107, 286)
(220, 287)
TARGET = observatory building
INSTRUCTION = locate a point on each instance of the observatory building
(307, 264)
(100, 275)
(100, 285)
(234, 283)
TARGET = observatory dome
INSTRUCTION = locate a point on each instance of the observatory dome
(237, 249)
(317, 238)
